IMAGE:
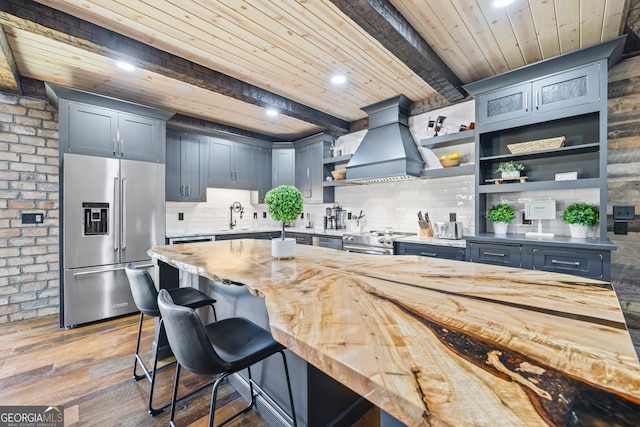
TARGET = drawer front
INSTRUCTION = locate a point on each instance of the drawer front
(431, 251)
(489, 253)
(585, 264)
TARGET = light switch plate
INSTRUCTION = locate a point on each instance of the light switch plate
(32, 218)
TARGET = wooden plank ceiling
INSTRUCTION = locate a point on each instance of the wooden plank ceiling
(239, 57)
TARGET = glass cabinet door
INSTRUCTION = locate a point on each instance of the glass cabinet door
(505, 104)
(578, 86)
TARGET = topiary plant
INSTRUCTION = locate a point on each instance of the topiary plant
(581, 214)
(285, 204)
(501, 213)
(510, 166)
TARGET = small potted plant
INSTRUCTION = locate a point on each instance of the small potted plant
(581, 217)
(501, 214)
(510, 169)
(284, 204)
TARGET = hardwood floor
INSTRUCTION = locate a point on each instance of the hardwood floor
(89, 371)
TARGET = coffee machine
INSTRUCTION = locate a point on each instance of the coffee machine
(335, 218)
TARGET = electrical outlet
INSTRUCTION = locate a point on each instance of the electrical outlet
(264, 214)
(180, 216)
(624, 212)
(620, 227)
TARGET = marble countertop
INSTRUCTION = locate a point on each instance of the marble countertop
(456, 243)
(315, 231)
(439, 342)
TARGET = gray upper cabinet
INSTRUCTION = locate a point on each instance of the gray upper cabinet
(104, 132)
(263, 171)
(283, 167)
(564, 90)
(231, 164)
(185, 167)
(308, 175)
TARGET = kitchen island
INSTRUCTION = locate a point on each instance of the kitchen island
(439, 342)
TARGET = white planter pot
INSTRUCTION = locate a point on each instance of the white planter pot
(500, 227)
(511, 174)
(578, 231)
(283, 249)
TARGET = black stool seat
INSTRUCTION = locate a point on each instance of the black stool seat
(145, 296)
(220, 348)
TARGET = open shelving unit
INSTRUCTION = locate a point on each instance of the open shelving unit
(447, 141)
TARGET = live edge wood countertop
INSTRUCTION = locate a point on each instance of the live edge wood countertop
(438, 342)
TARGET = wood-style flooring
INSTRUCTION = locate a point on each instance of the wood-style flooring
(88, 370)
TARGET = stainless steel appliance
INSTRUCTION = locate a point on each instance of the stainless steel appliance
(335, 218)
(372, 242)
(447, 230)
(113, 212)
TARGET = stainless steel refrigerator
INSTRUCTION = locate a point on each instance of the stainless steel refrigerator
(113, 212)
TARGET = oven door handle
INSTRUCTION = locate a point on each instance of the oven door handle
(371, 251)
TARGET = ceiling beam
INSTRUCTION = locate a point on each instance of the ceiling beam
(45, 21)
(9, 75)
(382, 21)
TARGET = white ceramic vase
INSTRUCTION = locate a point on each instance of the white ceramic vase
(578, 231)
(500, 227)
(283, 249)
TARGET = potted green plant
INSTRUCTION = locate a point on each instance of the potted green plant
(510, 169)
(284, 204)
(581, 217)
(500, 215)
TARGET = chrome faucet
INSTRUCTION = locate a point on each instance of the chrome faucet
(235, 207)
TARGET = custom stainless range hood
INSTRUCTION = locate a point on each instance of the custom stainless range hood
(388, 151)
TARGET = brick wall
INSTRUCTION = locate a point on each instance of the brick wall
(29, 253)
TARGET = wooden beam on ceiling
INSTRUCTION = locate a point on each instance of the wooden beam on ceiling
(45, 21)
(9, 75)
(382, 21)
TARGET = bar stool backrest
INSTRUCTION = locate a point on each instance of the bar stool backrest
(143, 290)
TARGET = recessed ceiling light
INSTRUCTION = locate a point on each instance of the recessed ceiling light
(271, 112)
(125, 66)
(502, 3)
(184, 88)
(338, 79)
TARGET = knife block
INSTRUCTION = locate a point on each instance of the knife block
(426, 229)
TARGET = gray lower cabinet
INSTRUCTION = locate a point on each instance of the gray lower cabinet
(261, 235)
(301, 238)
(592, 261)
(103, 132)
(431, 251)
(185, 167)
(494, 253)
(587, 263)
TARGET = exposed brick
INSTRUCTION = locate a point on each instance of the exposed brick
(8, 137)
(22, 241)
(47, 311)
(33, 140)
(49, 133)
(33, 286)
(23, 130)
(9, 213)
(22, 297)
(51, 258)
(51, 277)
(22, 167)
(34, 250)
(8, 309)
(8, 99)
(10, 157)
(23, 278)
(22, 148)
(36, 268)
(29, 176)
(6, 118)
(30, 305)
(28, 121)
(47, 169)
(9, 290)
(29, 158)
(51, 152)
(46, 115)
(33, 103)
(21, 185)
(13, 271)
(48, 204)
(36, 231)
(6, 233)
(9, 176)
(13, 109)
(34, 195)
(23, 315)
(47, 186)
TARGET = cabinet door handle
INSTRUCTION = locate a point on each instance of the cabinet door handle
(574, 264)
(526, 102)
(430, 254)
(182, 190)
(494, 254)
(113, 146)
(124, 214)
(116, 203)
(537, 100)
(188, 191)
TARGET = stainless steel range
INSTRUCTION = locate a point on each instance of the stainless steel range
(372, 242)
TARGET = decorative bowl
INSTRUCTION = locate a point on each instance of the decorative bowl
(447, 163)
(339, 174)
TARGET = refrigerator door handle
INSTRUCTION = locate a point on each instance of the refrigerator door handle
(124, 213)
(116, 223)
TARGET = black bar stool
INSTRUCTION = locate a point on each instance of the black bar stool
(145, 296)
(218, 349)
